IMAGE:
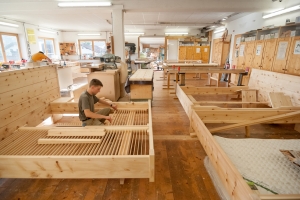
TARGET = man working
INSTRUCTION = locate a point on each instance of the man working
(39, 56)
(86, 106)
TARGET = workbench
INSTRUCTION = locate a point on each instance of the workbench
(141, 84)
(111, 83)
(199, 71)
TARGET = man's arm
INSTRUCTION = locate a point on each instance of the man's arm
(88, 113)
(114, 106)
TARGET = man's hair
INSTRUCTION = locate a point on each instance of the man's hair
(96, 82)
(41, 52)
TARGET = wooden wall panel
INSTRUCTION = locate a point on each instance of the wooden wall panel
(249, 54)
(269, 54)
(241, 56)
(258, 54)
(205, 50)
(25, 97)
(266, 81)
(190, 53)
(279, 64)
(182, 53)
(293, 66)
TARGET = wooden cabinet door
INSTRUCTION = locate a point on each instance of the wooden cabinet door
(258, 54)
(182, 53)
(249, 54)
(293, 66)
(197, 53)
(190, 53)
(281, 54)
(205, 51)
(241, 56)
(235, 51)
(217, 49)
(268, 54)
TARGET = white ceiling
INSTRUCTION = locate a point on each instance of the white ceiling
(139, 14)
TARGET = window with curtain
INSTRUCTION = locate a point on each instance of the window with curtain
(46, 45)
(9, 47)
(92, 48)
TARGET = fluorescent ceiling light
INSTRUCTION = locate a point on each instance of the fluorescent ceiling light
(224, 18)
(46, 31)
(220, 30)
(282, 11)
(83, 4)
(9, 24)
(88, 34)
(134, 33)
(176, 33)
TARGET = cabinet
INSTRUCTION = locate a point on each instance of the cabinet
(111, 83)
(205, 50)
(194, 53)
(190, 53)
(182, 53)
(258, 54)
(269, 53)
(293, 66)
(281, 54)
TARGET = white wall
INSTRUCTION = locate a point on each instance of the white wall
(254, 21)
(21, 31)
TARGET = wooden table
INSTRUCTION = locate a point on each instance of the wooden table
(141, 84)
(210, 71)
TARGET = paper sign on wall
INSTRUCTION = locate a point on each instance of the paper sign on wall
(258, 50)
(238, 41)
(282, 47)
(31, 36)
(242, 49)
(205, 50)
(297, 47)
(197, 50)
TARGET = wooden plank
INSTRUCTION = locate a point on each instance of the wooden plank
(62, 99)
(16, 96)
(279, 197)
(250, 51)
(249, 96)
(67, 141)
(233, 182)
(82, 131)
(256, 121)
(266, 82)
(278, 99)
(188, 90)
(184, 100)
(229, 102)
(142, 75)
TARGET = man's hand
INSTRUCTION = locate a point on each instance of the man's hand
(114, 106)
(109, 119)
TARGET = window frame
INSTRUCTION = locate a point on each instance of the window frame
(45, 38)
(92, 40)
(2, 44)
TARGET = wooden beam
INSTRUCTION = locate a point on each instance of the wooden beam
(75, 132)
(227, 102)
(257, 121)
(297, 127)
(247, 130)
(279, 197)
(67, 141)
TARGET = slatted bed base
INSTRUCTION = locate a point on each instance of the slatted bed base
(33, 153)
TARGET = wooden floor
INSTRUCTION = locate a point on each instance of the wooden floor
(179, 174)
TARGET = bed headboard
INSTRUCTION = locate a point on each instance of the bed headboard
(25, 97)
(266, 81)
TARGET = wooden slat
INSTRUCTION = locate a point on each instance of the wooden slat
(76, 132)
(256, 121)
(67, 141)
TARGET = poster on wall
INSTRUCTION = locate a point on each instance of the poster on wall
(197, 50)
(31, 36)
(205, 49)
(297, 47)
(242, 49)
(238, 41)
(282, 47)
(258, 50)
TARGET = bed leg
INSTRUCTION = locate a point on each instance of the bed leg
(297, 127)
(122, 180)
(193, 135)
(247, 130)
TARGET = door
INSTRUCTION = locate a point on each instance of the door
(269, 53)
(190, 53)
(172, 53)
(241, 56)
(249, 54)
(205, 54)
(281, 55)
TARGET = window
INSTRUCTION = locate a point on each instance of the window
(46, 45)
(92, 48)
(9, 47)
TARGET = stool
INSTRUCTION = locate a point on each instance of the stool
(241, 78)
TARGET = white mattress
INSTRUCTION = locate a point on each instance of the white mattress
(260, 161)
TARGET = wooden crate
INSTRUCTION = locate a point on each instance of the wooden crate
(280, 59)
(293, 66)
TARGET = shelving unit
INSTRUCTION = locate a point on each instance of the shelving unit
(67, 48)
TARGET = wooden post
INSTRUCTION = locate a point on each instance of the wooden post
(297, 127)
(247, 130)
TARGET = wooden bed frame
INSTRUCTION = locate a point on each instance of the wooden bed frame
(123, 149)
(199, 114)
